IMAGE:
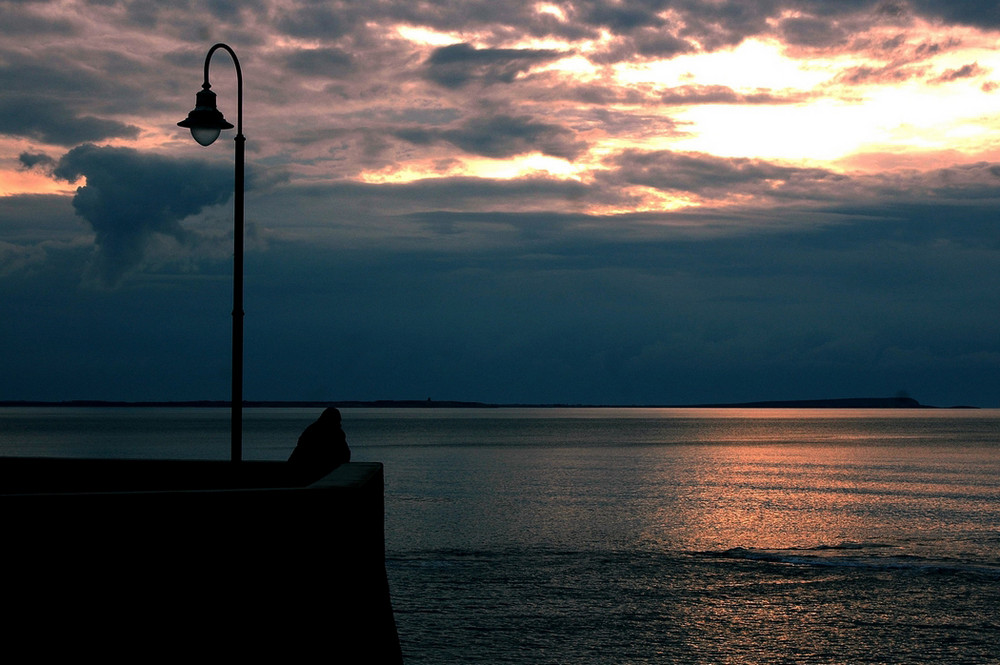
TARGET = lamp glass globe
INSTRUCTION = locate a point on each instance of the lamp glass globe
(205, 135)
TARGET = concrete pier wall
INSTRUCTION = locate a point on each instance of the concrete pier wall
(201, 560)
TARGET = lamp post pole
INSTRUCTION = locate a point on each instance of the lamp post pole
(206, 123)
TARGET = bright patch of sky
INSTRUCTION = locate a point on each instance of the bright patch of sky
(752, 65)
(834, 121)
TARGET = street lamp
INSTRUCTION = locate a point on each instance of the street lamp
(205, 123)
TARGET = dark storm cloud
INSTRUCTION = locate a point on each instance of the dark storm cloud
(56, 123)
(896, 60)
(639, 30)
(501, 20)
(189, 19)
(457, 65)
(700, 173)
(663, 29)
(366, 209)
(976, 183)
(326, 62)
(35, 218)
(598, 94)
(501, 136)
(639, 125)
(65, 94)
(720, 94)
(891, 73)
(719, 25)
(809, 31)
(821, 311)
(130, 197)
(544, 207)
(787, 280)
(657, 45)
(621, 17)
(966, 71)
(39, 161)
(324, 21)
(481, 211)
(801, 187)
(38, 230)
(646, 44)
(964, 12)
(21, 18)
(726, 304)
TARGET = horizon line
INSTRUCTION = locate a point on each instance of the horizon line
(848, 402)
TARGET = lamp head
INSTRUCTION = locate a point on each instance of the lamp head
(205, 121)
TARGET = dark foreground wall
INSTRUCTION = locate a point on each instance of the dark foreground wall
(205, 561)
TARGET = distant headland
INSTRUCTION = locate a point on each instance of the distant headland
(847, 403)
(842, 403)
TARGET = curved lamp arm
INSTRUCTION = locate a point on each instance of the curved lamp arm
(205, 123)
(239, 82)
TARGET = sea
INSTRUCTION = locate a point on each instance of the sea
(645, 535)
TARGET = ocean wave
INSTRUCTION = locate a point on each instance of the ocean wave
(853, 555)
(849, 546)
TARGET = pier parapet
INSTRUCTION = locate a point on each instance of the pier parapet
(201, 558)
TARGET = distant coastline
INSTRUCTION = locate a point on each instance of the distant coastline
(843, 403)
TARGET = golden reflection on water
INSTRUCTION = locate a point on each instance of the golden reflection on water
(798, 485)
(770, 497)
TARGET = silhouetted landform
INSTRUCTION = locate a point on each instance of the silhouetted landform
(847, 403)
(842, 403)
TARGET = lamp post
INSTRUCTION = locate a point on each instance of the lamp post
(205, 123)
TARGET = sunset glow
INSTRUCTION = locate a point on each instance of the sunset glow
(761, 98)
(14, 182)
(650, 199)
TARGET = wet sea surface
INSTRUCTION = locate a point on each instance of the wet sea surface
(647, 535)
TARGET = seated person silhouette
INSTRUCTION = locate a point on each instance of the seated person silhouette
(322, 447)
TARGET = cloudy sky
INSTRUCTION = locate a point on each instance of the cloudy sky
(586, 201)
